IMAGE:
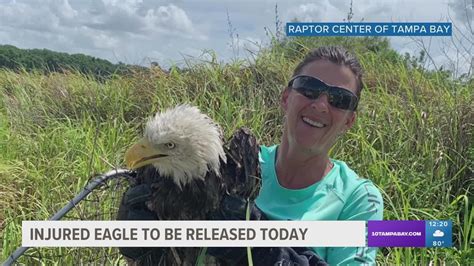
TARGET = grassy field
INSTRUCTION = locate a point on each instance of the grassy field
(414, 138)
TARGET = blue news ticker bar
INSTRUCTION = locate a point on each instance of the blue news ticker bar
(368, 29)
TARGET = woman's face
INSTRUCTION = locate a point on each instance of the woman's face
(314, 125)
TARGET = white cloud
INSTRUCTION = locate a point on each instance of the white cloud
(308, 12)
(104, 41)
(116, 20)
(130, 30)
(24, 16)
(63, 9)
(131, 5)
(171, 20)
(111, 29)
(438, 233)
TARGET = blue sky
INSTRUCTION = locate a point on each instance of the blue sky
(141, 31)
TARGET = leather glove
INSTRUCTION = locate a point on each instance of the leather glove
(133, 207)
(286, 256)
(233, 208)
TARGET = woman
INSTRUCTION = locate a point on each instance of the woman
(300, 181)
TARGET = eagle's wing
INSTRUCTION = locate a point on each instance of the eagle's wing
(241, 173)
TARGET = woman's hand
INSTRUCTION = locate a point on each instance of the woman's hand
(133, 207)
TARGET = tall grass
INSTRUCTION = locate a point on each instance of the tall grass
(414, 135)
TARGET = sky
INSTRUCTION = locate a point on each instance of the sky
(143, 31)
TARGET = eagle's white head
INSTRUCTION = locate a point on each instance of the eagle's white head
(181, 143)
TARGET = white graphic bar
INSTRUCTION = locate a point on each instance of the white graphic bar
(194, 233)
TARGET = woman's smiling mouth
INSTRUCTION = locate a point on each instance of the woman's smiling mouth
(313, 123)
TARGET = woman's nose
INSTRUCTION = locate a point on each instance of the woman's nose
(321, 104)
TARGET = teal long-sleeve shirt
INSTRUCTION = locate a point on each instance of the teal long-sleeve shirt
(340, 195)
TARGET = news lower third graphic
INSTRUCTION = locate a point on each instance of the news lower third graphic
(237, 233)
(193, 233)
(368, 29)
(409, 234)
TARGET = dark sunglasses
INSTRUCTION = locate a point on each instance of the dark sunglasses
(312, 88)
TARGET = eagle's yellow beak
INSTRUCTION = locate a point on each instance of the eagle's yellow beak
(141, 154)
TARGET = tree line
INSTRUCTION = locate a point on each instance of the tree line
(44, 60)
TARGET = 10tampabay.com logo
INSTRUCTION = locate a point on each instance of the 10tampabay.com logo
(368, 29)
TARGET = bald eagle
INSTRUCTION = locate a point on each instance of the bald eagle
(184, 161)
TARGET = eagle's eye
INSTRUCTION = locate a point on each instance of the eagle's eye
(170, 145)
